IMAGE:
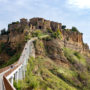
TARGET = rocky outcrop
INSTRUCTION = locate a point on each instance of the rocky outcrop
(70, 38)
(54, 50)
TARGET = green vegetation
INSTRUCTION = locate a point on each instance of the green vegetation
(44, 74)
(13, 59)
(74, 56)
(17, 22)
(74, 29)
(79, 65)
(4, 32)
(51, 34)
(55, 34)
(40, 77)
(49, 30)
(63, 26)
(30, 79)
(27, 37)
(37, 33)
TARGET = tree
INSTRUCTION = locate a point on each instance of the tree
(63, 26)
(74, 29)
(3, 31)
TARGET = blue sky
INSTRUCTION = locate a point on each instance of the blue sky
(68, 12)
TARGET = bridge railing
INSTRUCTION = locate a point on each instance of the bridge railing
(17, 71)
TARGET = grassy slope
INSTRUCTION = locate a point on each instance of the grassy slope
(44, 74)
(40, 76)
(80, 66)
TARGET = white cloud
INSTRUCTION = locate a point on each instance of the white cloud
(83, 4)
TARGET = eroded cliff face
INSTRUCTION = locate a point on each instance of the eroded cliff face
(63, 57)
(73, 40)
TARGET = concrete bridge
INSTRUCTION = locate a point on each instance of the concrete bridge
(17, 70)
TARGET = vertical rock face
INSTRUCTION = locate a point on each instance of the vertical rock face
(73, 36)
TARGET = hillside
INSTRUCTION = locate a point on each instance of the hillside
(62, 59)
(56, 68)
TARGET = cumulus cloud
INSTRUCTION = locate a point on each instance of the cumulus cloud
(83, 4)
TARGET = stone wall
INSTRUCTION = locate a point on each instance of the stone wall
(72, 36)
(41, 23)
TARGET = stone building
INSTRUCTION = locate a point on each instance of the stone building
(41, 23)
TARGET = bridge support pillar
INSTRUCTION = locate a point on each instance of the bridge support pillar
(12, 80)
(23, 72)
(20, 72)
(16, 76)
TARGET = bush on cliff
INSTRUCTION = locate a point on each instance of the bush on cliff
(49, 30)
(74, 29)
(63, 26)
(27, 37)
(56, 34)
(4, 32)
(36, 33)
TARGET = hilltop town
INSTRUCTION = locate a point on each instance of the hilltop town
(15, 33)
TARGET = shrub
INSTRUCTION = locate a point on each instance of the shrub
(64, 27)
(56, 34)
(49, 30)
(17, 85)
(77, 54)
(74, 29)
(4, 32)
(30, 78)
(17, 22)
(36, 33)
(74, 57)
(59, 34)
(27, 37)
(20, 85)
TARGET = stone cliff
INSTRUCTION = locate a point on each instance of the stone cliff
(16, 33)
